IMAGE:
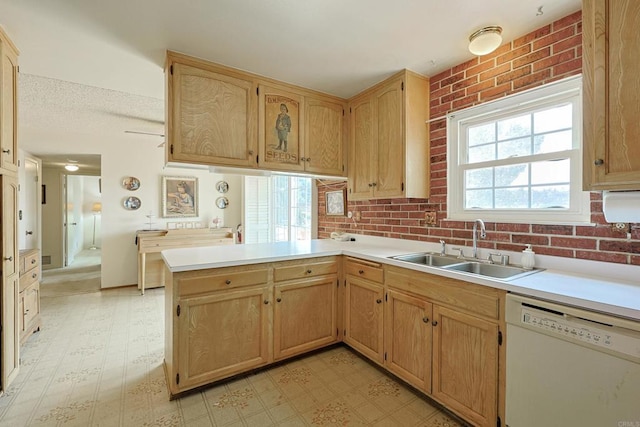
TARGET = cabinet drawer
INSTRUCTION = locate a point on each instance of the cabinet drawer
(30, 303)
(300, 271)
(202, 282)
(364, 269)
(28, 278)
(472, 298)
(29, 260)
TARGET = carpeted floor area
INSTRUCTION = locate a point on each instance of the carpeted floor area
(82, 276)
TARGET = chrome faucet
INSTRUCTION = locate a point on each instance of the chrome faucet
(443, 246)
(483, 234)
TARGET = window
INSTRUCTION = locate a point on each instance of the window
(277, 208)
(519, 159)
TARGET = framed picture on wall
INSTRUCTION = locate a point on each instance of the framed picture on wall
(335, 202)
(179, 196)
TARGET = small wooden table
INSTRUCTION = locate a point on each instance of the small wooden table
(151, 242)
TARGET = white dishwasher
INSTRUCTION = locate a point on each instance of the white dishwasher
(570, 367)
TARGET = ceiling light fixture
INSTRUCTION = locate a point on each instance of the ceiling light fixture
(485, 40)
(71, 168)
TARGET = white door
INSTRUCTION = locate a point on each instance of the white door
(30, 224)
(71, 219)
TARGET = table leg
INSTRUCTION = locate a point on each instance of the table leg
(143, 267)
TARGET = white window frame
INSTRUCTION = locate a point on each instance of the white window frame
(579, 212)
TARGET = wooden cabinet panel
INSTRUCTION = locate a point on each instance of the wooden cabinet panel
(304, 316)
(361, 157)
(408, 338)
(465, 365)
(8, 105)
(324, 137)
(223, 334)
(364, 269)
(611, 96)
(211, 114)
(389, 164)
(222, 279)
(364, 317)
(307, 268)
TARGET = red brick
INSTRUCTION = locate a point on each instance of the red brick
(439, 232)
(517, 228)
(438, 150)
(532, 57)
(467, 101)
(400, 229)
(439, 183)
(496, 91)
(569, 67)
(435, 80)
(513, 54)
(451, 80)
(567, 20)
(453, 96)
(528, 38)
(498, 237)
(501, 69)
(578, 243)
(439, 166)
(461, 67)
(480, 87)
(635, 260)
(620, 246)
(602, 256)
(530, 238)
(598, 231)
(531, 80)
(565, 230)
(462, 234)
(499, 51)
(465, 83)
(435, 94)
(487, 65)
(508, 77)
(440, 111)
(554, 60)
(553, 37)
(453, 224)
(545, 250)
(570, 43)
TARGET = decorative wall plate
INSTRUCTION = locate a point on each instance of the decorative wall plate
(131, 203)
(131, 183)
(222, 202)
(222, 186)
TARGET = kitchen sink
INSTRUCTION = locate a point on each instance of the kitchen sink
(496, 271)
(432, 260)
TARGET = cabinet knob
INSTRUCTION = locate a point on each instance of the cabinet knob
(425, 319)
(434, 323)
(373, 183)
(370, 185)
(33, 261)
(6, 151)
(308, 271)
(8, 258)
(308, 159)
(360, 271)
(228, 282)
(379, 301)
(599, 162)
(34, 275)
(251, 152)
(29, 233)
(266, 301)
(279, 299)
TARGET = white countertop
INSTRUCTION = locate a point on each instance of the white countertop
(605, 287)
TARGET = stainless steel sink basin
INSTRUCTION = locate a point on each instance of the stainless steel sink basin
(432, 260)
(504, 272)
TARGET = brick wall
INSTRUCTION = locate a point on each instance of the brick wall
(542, 56)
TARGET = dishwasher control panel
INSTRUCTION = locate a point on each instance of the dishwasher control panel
(596, 334)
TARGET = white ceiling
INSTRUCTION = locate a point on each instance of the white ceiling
(337, 47)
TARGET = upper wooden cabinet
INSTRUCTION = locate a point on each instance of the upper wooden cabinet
(611, 42)
(220, 116)
(8, 105)
(211, 114)
(389, 154)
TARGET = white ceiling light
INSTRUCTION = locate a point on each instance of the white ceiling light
(71, 168)
(485, 40)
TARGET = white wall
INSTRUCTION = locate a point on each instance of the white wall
(52, 233)
(139, 157)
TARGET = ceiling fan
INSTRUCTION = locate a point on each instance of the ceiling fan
(148, 133)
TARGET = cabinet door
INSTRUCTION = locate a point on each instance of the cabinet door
(222, 334)
(611, 92)
(280, 124)
(465, 365)
(324, 145)
(211, 117)
(362, 151)
(304, 316)
(408, 339)
(363, 318)
(8, 107)
(389, 166)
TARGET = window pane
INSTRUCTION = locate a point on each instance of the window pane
(482, 134)
(479, 178)
(553, 119)
(512, 198)
(510, 176)
(514, 127)
(556, 196)
(551, 142)
(478, 199)
(514, 148)
(482, 153)
(551, 172)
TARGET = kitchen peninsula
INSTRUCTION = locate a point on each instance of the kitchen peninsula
(235, 308)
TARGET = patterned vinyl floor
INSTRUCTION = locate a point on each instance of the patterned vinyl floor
(98, 362)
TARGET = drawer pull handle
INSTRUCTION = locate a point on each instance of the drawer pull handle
(228, 282)
(434, 323)
(360, 271)
(425, 319)
(33, 261)
(34, 275)
(379, 301)
(7, 151)
(279, 299)
(599, 162)
(308, 271)
(266, 301)
(8, 258)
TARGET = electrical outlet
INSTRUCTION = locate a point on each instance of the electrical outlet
(619, 226)
(430, 218)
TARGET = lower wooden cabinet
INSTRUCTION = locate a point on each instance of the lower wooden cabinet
(465, 365)
(304, 316)
(364, 317)
(408, 331)
(29, 296)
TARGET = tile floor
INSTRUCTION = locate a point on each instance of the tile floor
(98, 362)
